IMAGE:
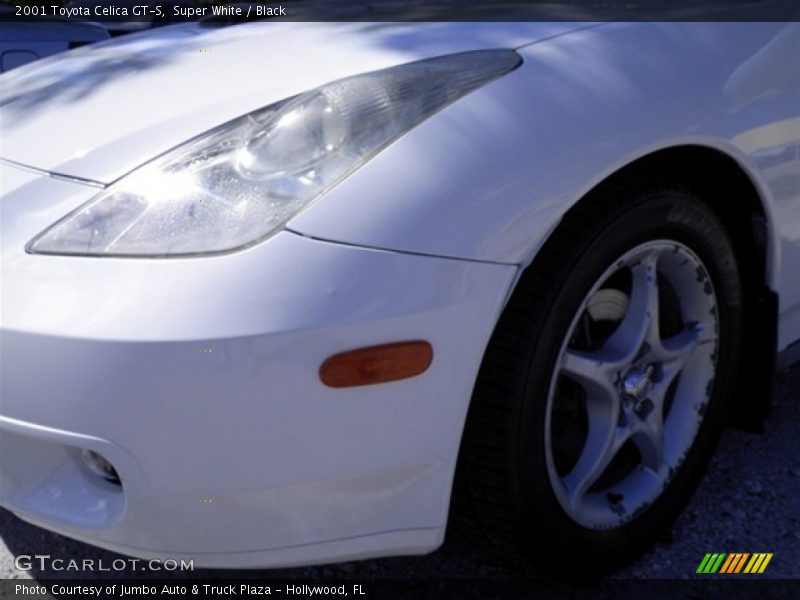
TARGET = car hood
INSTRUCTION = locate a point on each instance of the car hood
(98, 112)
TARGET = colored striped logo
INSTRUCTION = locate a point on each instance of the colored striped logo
(736, 562)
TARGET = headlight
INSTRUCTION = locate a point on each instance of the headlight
(241, 182)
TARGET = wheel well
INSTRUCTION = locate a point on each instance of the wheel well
(720, 182)
(727, 189)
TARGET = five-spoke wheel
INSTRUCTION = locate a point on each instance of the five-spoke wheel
(606, 381)
(630, 385)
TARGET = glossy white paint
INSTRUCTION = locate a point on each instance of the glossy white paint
(490, 177)
(197, 377)
(253, 65)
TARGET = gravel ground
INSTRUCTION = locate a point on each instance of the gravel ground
(749, 502)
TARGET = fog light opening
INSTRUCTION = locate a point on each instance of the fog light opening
(100, 466)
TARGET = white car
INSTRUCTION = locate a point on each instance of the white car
(22, 43)
(265, 287)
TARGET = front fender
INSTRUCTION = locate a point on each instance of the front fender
(490, 177)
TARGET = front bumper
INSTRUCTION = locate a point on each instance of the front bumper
(198, 379)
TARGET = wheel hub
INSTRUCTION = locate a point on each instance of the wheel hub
(637, 382)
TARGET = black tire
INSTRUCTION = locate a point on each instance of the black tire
(503, 458)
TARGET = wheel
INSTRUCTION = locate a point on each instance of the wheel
(604, 386)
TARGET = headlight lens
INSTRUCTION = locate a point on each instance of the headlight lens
(241, 182)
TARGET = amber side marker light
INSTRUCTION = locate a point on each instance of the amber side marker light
(377, 364)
